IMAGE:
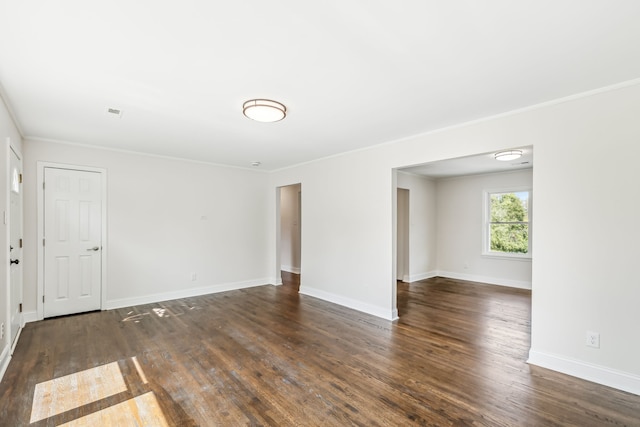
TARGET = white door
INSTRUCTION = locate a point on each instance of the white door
(15, 248)
(72, 241)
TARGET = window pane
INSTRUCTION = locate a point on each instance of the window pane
(510, 207)
(513, 238)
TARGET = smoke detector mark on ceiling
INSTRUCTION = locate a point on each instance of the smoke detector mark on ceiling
(114, 112)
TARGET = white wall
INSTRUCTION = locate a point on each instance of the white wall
(290, 228)
(460, 207)
(9, 137)
(584, 272)
(346, 238)
(423, 223)
(166, 220)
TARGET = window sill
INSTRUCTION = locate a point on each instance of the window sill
(506, 256)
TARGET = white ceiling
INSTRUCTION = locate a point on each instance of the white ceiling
(352, 73)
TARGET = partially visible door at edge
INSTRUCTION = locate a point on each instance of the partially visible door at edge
(15, 237)
(73, 244)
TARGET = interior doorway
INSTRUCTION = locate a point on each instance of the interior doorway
(290, 233)
(448, 228)
(402, 261)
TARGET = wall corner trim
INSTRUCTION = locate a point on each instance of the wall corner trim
(274, 281)
(422, 276)
(30, 316)
(374, 310)
(587, 371)
(291, 269)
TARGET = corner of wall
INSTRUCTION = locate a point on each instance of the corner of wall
(290, 269)
(422, 276)
(30, 316)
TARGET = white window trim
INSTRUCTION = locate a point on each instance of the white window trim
(486, 252)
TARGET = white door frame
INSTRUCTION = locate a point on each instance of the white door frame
(278, 275)
(40, 206)
(403, 246)
(278, 266)
(21, 233)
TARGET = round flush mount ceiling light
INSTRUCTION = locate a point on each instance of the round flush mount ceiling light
(506, 156)
(264, 110)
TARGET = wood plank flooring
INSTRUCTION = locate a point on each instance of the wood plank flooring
(269, 356)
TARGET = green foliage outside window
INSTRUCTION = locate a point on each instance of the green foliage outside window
(509, 225)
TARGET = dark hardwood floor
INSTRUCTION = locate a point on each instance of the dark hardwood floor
(269, 356)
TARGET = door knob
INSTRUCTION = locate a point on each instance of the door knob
(15, 261)
(95, 248)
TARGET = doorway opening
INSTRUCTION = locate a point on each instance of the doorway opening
(289, 200)
(402, 253)
(447, 222)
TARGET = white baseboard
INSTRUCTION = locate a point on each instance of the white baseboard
(290, 269)
(15, 341)
(5, 358)
(30, 316)
(186, 293)
(350, 303)
(587, 371)
(275, 281)
(422, 276)
(485, 279)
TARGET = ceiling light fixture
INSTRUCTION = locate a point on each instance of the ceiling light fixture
(507, 156)
(264, 110)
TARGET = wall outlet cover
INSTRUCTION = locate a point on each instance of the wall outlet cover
(593, 339)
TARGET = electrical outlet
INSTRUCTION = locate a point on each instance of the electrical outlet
(1, 331)
(593, 339)
(194, 277)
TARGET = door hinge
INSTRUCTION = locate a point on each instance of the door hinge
(20, 242)
(43, 185)
(20, 307)
(20, 179)
(42, 242)
(42, 298)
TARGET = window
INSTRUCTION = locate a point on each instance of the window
(508, 223)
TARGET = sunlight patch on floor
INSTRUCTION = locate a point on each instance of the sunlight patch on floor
(62, 394)
(141, 374)
(143, 410)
